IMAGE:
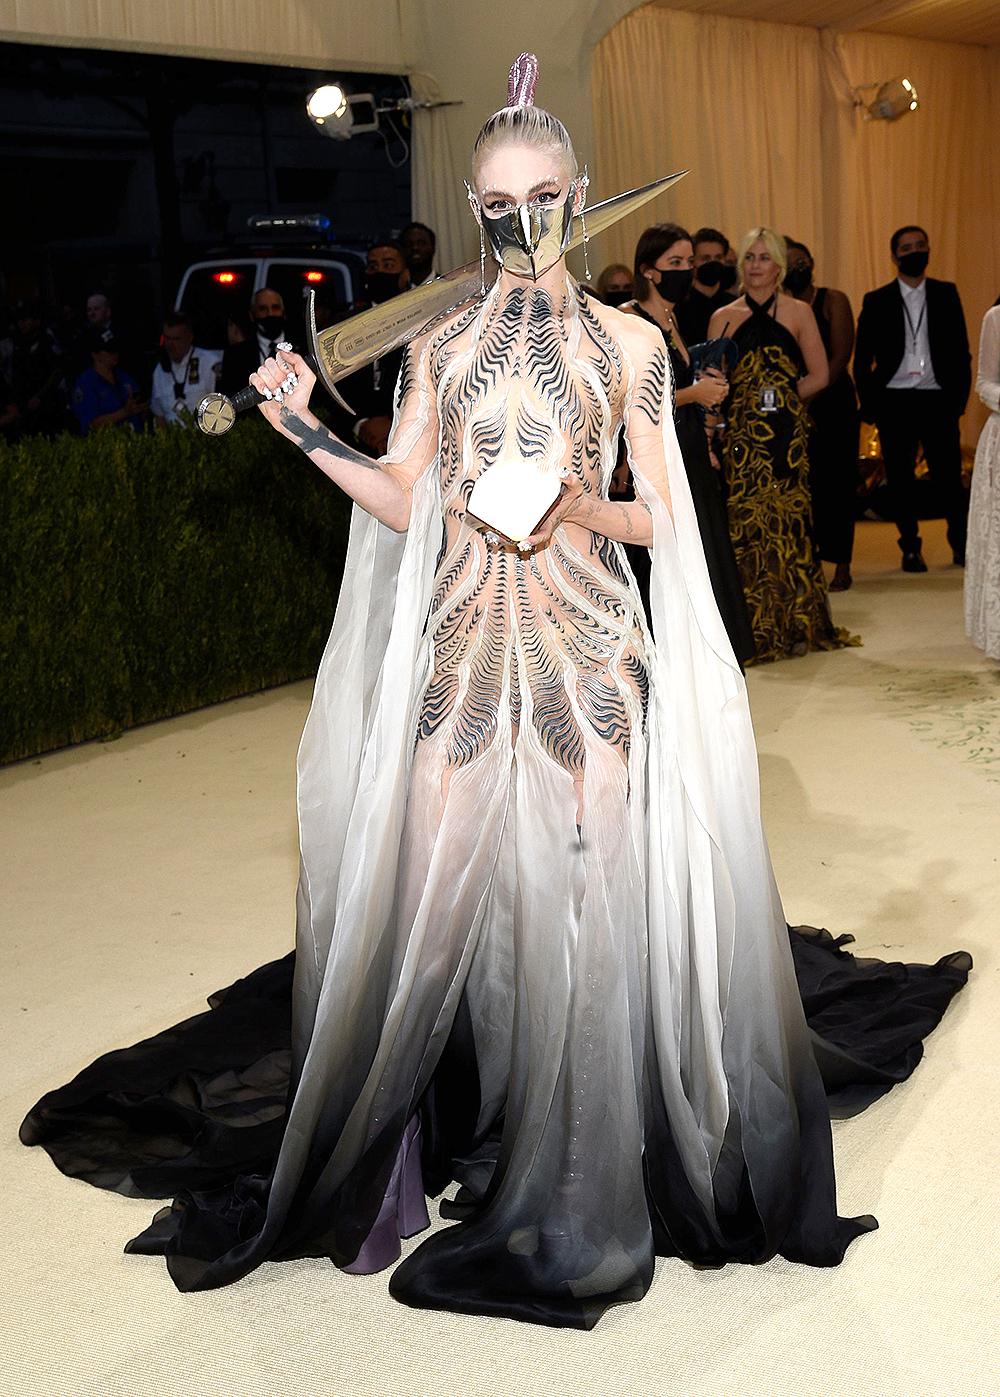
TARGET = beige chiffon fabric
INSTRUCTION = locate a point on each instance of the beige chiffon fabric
(511, 796)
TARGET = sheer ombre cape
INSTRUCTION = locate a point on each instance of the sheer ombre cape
(572, 992)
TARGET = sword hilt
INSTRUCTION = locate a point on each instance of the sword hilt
(217, 412)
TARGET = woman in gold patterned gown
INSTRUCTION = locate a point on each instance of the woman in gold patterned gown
(781, 364)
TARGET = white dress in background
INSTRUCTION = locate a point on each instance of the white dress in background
(982, 557)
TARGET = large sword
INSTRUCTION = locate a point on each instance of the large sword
(343, 349)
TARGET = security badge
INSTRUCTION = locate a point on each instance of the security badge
(190, 377)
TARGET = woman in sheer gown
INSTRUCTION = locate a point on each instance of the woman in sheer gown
(539, 951)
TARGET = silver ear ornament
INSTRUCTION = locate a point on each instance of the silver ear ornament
(583, 183)
(476, 207)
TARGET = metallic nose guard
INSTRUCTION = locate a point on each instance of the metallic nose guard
(532, 237)
(530, 240)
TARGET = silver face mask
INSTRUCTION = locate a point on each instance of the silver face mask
(532, 237)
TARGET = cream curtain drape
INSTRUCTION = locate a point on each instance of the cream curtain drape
(761, 114)
(307, 33)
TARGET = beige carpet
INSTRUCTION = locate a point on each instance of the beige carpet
(140, 875)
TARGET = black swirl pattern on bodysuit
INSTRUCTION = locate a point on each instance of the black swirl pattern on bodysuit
(530, 379)
(652, 385)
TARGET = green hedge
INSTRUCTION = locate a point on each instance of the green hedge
(145, 575)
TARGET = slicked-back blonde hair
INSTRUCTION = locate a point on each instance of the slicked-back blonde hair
(775, 245)
(522, 123)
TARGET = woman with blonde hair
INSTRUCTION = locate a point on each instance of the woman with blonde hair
(782, 365)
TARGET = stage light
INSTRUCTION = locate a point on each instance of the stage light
(341, 115)
(326, 101)
(892, 99)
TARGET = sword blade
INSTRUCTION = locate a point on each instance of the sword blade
(603, 215)
(344, 348)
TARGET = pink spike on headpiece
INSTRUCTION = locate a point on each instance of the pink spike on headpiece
(523, 81)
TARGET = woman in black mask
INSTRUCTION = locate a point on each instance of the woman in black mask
(615, 285)
(663, 275)
(833, 447)
(714, 278)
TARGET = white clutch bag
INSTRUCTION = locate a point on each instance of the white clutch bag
(514, 497)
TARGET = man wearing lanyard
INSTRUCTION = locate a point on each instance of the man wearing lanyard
(184, 374)
(913, 372)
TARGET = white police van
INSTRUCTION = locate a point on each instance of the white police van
(291, 255)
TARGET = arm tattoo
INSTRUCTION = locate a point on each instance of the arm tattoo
(627, 512)
(319, 439)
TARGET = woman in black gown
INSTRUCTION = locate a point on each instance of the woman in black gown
(664, 258)
(833, 446)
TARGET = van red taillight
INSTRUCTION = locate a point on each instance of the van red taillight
(225, 278)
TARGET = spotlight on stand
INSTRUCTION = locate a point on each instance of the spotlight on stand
(334, 113)
(341, 115)
(892, 99)
(326, 101)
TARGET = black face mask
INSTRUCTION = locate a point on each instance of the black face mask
(381, 286)
(710, 273)
(674, 286)
(272, 327)
(728, 277)
(617, 298)
(797, 279)
(913, 263)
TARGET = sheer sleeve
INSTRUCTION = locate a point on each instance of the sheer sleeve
(988, 369)
(648, 400)
(413, 441)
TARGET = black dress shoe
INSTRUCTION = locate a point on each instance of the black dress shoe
(914, 562)
(959, 558)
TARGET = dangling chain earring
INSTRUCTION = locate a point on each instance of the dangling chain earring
(477, 211)
(583, 183)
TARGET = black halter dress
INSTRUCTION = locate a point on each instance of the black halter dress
(766, 460)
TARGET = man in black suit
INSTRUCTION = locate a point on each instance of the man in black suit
(269, 327)
(371, 390)
(710, 288)
(913, 372)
